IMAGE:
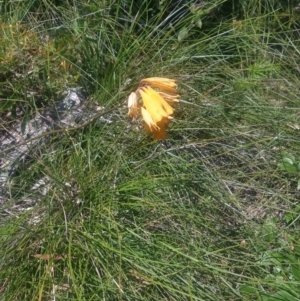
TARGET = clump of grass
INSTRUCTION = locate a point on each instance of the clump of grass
(208, 214)
(34, 70)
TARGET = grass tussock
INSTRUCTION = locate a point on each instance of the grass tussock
(211, 213)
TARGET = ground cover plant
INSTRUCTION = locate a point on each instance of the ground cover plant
(210, 213)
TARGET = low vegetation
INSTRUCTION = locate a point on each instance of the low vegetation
(210, 213)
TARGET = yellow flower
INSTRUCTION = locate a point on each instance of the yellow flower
(132, 105)
(148, 120)
(157, 129)
(155, 104)
(155, 108)
(156, 113)
(169, 97)
(160, 83)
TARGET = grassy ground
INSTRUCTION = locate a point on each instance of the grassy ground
(212, 213)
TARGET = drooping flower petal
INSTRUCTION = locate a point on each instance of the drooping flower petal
(169, 97)
(160, 83)
(153, 106)
(159, 131)
(132, 105)
(155, 95)
(148, 120)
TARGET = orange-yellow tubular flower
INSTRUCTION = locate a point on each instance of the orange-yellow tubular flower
(169, 97)
(160, 83)
(158, 130)
(157, 112)
(155, 95)
(155, 104)
(151, 126)
(132, 105)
